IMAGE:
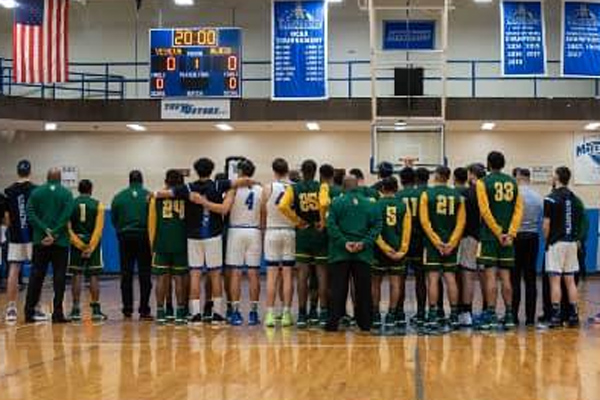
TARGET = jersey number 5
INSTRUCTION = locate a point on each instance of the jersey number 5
(391, 217)
(504, 191)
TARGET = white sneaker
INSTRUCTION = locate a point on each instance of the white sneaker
(465, 320)
(11, 314)
(40, 316)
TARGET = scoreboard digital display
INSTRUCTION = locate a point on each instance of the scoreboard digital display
(195, 62)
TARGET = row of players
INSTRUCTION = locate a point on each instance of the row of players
(366, 232)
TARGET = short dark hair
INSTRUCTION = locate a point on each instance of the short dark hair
(221, 176)
(385, 169)
(443, 172)
(496, 161)
(136, 176)
(515, 172)
(407, 176)
(204, 167)
(564, 175)
(280, 166)
(246, 167)
(308, 170)
(524, 172)
(173, 178)
(294, 176)
(357, 173)
(23, 168)
(477, 169)
(338, 177)
(326, 171)
(85, 186)
(389, 184)
(422, 176)
(461, 175)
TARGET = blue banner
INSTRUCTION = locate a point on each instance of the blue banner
(299, 50)
(408, 35)
(523, 38)
(581, 39)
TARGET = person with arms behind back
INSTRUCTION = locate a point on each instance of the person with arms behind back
(20, 247)
(49, 210)
(85, 231)
(129, 215)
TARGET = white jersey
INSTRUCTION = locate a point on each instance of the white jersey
(245, 211)
(275, 219)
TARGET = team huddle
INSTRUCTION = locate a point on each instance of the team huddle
(324, 239)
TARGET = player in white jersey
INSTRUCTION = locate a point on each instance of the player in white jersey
(280, 246)
(244, 244)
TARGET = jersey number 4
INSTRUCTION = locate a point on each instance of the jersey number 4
(504, 191)
(250, 201)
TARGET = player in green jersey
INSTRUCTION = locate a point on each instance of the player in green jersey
(443, 216)
(501, 210)
(85, 232)
(302, 206)
(167, 231)
(392, 247)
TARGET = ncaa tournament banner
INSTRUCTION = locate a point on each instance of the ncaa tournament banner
(581, 39)
(299, 50)
(195, 109)
(523, 38)
(586, 156)
(408, 35)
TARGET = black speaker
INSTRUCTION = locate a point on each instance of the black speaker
(408, 81)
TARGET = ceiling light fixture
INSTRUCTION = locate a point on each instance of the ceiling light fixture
(137, 127)
(313, 126)
(224, 127)
(184, 2)
(9, 3)
(50, 126)
(592, 126)
(488, 126)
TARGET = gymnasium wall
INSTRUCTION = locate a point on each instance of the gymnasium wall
(104, 31)
(106, 157)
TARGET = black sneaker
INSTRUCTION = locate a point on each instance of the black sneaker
(217, 319)
(196, 319)
(59, 319)
(146, 317)
(573, 321)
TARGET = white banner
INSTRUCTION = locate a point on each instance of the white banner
(195, 109)
(586, 157)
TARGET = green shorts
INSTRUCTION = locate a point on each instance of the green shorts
(311, 246)
(414, 257)
(384, 266)
(492, 254)
(169, 263)
(434, 261)
(88, 266)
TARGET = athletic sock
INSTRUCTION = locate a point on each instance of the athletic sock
(469, 308)
(302, 310)
(254, 306)
(285, 310)
(235, 306)
(400, 309)
(229, 307)
(270, 310)
(217, 305)
(454, 310)
(195, 307)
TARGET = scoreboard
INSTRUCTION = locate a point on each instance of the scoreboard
(195, 62)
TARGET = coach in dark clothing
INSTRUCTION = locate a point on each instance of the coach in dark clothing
(129, 215)
(353, 226)
(527, 248)
(48, 210)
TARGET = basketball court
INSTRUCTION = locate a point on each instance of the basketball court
(100, 89)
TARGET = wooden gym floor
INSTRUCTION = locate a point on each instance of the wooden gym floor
(140, 361)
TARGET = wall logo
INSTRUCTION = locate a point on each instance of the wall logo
(300, 18)
(523, 16)
(195, 109)
(583, 16)
(586, 159)
(589, 148)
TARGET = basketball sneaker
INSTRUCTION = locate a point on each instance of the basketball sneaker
(287, 319)
(253, 318)
(465, 320)
(217, 319)
(401, 321)
(509, 321)
(313, 316)
(180, 316)
(11, 314)
(376, 320)
(161, 316)
(302, 321)
(196, 319)
(236, 318)
(323, 318)
(389, 321)
(97, 314)
(270, 320)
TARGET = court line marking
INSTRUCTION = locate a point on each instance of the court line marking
(419, 384)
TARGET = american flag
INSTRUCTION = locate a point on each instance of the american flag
(40, 41)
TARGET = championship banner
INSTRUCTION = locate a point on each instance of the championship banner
(586, 156)
(523, 38)
(581, 39)
(299, 50)
(408, 35)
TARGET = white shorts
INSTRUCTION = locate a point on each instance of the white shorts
(561, 258)
(280, 247)
(244, 247)
(205, 253)
(20, 252)
(467, 253)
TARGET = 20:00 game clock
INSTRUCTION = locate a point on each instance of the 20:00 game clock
(195, 62)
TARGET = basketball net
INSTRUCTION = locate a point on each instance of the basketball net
(408, 161)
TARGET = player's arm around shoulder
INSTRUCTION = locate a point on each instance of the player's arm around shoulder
(286, 206)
